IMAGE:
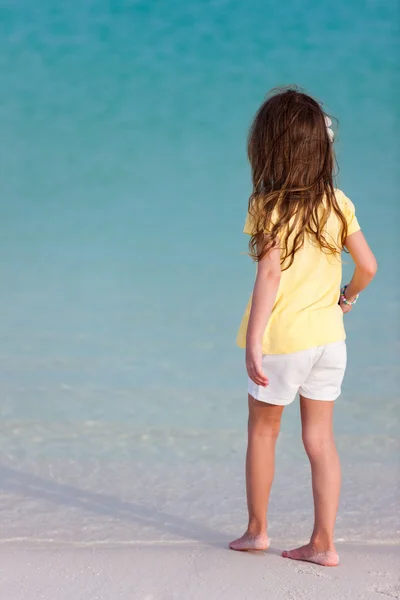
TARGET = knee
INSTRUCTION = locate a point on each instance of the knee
(265, 427)
(316, 444)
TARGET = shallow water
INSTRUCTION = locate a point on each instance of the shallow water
(123, 192)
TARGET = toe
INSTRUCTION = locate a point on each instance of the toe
(237, 544)
(293, 554)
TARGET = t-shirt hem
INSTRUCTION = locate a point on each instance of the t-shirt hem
(297, 347)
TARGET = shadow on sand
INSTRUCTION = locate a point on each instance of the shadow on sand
(13, 481)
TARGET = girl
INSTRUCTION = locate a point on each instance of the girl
(293, 326)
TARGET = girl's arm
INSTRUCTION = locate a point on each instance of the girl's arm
(365, 261)
(264, 295)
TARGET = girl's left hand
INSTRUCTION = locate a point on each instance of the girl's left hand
(254, 366)
(346, 308)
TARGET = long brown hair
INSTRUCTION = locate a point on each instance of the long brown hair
(292, 162)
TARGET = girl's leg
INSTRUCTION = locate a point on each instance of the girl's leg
(263, 430)
(319, 443)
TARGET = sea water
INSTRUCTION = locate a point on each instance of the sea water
(123, 192)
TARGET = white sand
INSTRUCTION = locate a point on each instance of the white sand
(184, 571)
(76, 501)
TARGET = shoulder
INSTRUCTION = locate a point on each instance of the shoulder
(344, 202)
(348, 209)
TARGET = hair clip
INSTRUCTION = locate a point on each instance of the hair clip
(328, 123)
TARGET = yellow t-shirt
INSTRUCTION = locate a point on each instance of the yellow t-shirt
(306, 311)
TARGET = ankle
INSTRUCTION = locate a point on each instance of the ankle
(257, 528)
(322, 542)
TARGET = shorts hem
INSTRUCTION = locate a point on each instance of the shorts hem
(274, 401)
(317, 397)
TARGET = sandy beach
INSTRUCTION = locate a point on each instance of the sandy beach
(82, 524)
(187, 571)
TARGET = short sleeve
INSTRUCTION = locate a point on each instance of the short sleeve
(251, 224)
(349, 212)
(249, 228)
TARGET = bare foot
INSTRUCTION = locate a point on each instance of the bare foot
(250, 542)
(325, 559)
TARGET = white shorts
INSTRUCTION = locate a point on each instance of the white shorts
(316, 373)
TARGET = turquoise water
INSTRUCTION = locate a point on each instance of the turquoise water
(123, 192)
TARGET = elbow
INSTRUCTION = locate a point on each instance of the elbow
(274, 280)
(276, 277)
(268, 272)
(371, 269)
(273, 276)
(270, 278)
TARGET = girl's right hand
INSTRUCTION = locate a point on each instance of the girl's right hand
(254, 365)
